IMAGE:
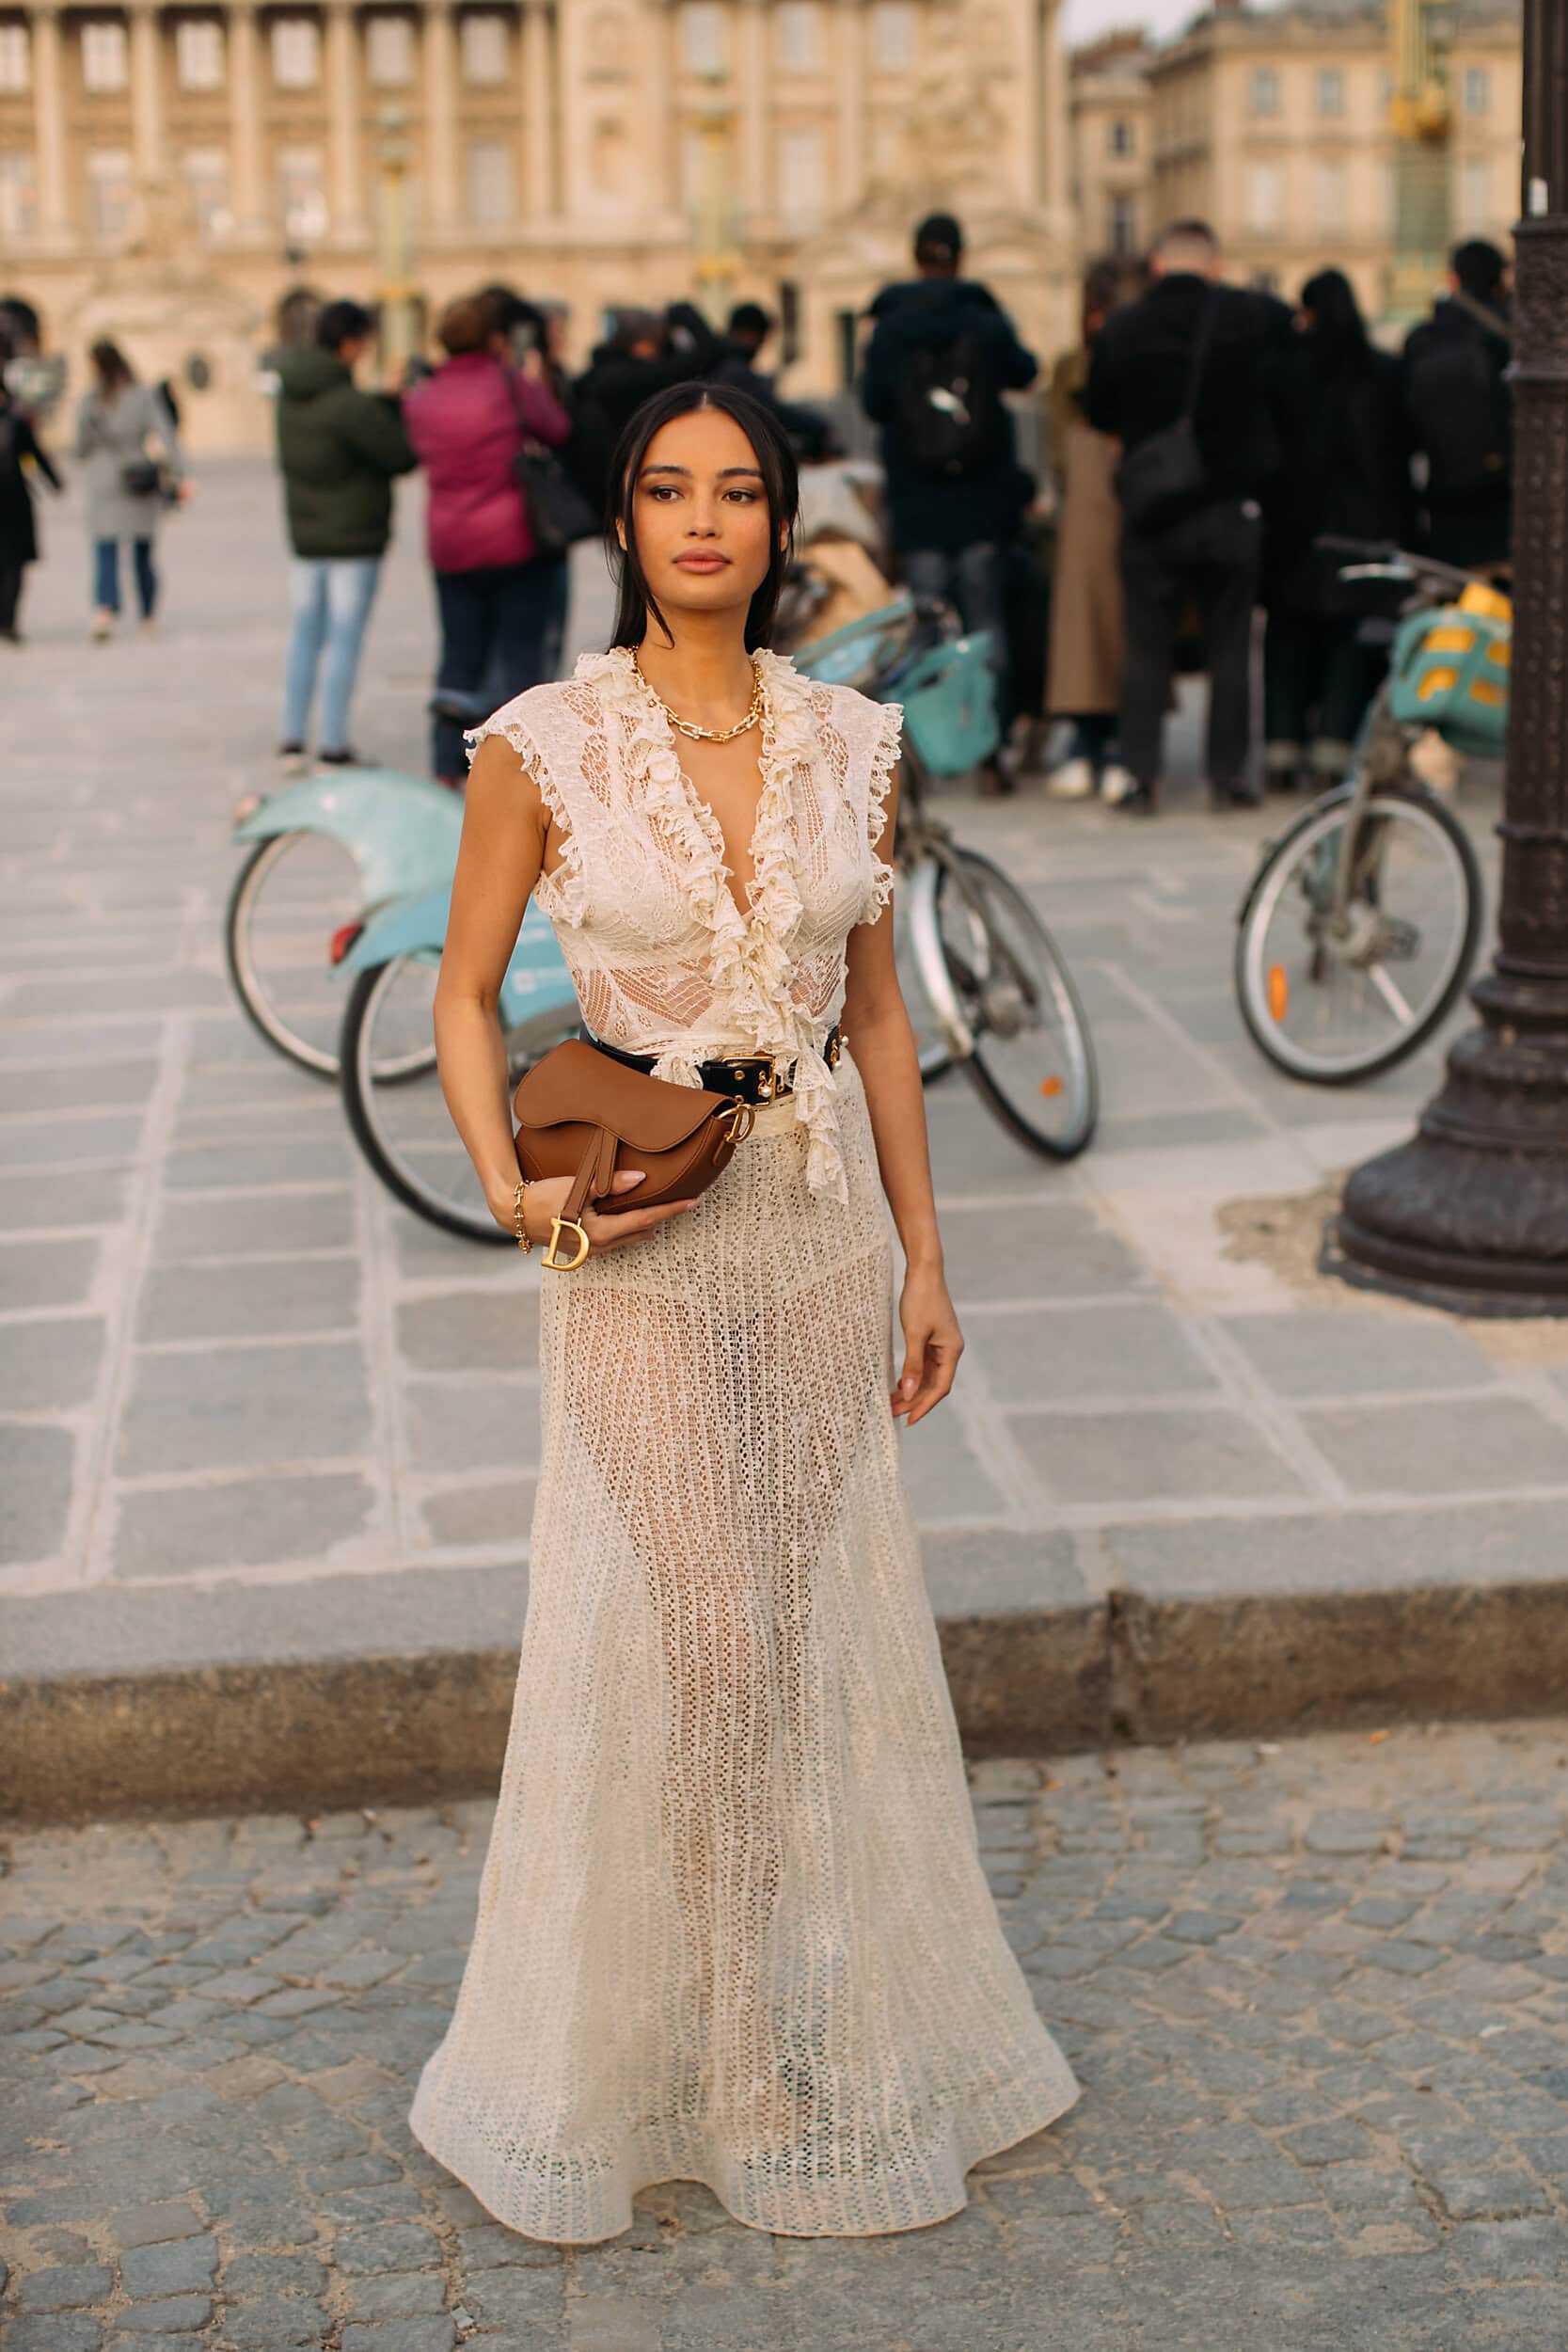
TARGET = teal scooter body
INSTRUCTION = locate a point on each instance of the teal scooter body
(401, 829)
(536, 981)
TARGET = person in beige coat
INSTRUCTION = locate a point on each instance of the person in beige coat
(1084, 679)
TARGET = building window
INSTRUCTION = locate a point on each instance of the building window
(18, 195)
(800, 175)
(301, 193)
(1122, 136)
(206, 175)
(1477, 89)
(1264, 94)
(893, 36)
(199, 52)
(1263, 196)
(799, 45)
(13, 59)
(102, 57)
(296, 52)
(703, 37)
(1475, 196)
(1123, 224)
(390, 51)
(489, 184)
(108, 193)
(484, 45)
(1331, 91)
(1328, 195)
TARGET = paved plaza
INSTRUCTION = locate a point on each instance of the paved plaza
(253, 1407)
(1316, 1992)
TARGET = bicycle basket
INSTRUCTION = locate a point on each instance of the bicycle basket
(950, 705)
(1451, 671)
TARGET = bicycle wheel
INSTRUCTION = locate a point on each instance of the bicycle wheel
(292, 895)
(1033, 1058)
(394, 1101)
(1331, 997)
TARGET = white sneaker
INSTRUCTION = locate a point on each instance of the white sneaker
(103, 622)
(1118, 784)
(1072, 781)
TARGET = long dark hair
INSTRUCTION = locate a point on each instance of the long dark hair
(635, 605)
(1338, 331)
(111, 366)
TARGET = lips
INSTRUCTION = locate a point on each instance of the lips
(702, 563)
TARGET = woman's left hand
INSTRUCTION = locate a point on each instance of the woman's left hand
(932, 1345)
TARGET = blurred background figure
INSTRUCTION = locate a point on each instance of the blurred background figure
(128, 491)
(498, 595)
(1461, 410)
(750, 329)
(644, 352)
(19, 544)
(942, 352)
(1339, 405)
(338, 449)
(1085, 674)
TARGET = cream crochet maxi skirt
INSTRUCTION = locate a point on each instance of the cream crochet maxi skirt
(733, 1925)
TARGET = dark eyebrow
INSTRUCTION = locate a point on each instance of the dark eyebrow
(753, 473)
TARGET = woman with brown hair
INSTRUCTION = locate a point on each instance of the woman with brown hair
(127, 490)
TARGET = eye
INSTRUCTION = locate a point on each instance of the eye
(661, 490)
(747, 498)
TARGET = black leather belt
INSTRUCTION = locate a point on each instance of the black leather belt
(745, 1078)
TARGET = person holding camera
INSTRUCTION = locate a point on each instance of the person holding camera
(127, 489)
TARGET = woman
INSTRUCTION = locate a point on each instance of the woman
(1341, 418)
(497, 597)
(19, 544)
(125, 488)
(1085, 588)
(732, 1926)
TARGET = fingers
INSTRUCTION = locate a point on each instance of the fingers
(909, 1379)
(629, 1225)
(939, 1371)
(929, 1370)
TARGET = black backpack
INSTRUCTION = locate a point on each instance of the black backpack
(947, 408)
(1458, 411)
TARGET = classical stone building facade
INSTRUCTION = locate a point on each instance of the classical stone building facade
(168, 172)
(1273, 124)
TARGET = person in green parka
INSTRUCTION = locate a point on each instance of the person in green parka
(339, 449)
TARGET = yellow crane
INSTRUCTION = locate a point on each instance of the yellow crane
(1420, 43)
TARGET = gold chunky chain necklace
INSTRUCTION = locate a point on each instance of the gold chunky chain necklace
(689, 726)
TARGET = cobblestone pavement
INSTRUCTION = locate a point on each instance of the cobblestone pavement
(1317, 1994)
(243, 1390)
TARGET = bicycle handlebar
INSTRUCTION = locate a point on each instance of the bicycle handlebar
(1383, 551)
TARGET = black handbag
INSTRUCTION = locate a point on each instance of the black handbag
(143, 478)
(1167, 471)
(558, 513)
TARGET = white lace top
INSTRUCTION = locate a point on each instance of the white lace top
(663, 959)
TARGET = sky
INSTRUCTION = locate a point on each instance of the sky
(1083, 19)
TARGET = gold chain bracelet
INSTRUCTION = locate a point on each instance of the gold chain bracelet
(524, 1242)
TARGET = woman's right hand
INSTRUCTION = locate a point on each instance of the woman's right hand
(543, 1200)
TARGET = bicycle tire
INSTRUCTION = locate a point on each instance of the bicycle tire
(357, 1017)
(1260, 1028)
(267, 1024)
(981, 1066)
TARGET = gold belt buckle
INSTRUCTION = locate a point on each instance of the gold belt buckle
(552, 1258)
(767, 1069)
(835, 1048)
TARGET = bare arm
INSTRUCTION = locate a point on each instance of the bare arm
(883, 1041)
(508, 839)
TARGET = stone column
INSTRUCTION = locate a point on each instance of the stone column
(442, 195)
(345, 148)
(541, 194)
(148, 160)
(245, 123)
(1054, 162)
(754, 126)
(55, 206)
(851, 168)
(659, 108)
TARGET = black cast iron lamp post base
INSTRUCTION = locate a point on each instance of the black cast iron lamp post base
(1472, 1214)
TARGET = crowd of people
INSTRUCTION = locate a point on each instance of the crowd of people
(1195, 444)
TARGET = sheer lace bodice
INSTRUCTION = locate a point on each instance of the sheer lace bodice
(664, 960)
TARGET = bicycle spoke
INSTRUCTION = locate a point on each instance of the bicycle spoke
(1389, 992)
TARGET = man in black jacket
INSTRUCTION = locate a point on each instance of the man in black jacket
(1460, 410)
(645, 352)
(1191, 348)
(942, 352)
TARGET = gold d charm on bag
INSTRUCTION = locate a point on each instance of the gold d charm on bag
(552, 1258)
(738, 1121)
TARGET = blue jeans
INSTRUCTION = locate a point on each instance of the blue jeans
(498, 623)
(971, 579)
(331, 596)
(106, 575)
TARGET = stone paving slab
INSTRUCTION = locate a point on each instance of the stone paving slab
(240, 1389)
(1316, 1992)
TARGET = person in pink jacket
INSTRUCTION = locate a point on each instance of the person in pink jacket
(496, 594)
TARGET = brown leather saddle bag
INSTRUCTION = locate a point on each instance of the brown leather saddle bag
(583, 1115)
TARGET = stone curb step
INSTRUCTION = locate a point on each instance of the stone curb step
(316, 1732)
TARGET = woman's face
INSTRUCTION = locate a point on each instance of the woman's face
(700, 511)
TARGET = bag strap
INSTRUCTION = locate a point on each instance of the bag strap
(515, 394)
(1200, 355)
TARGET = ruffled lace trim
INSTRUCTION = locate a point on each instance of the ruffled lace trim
(563, 893)
(748, 962)
(885, 760)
